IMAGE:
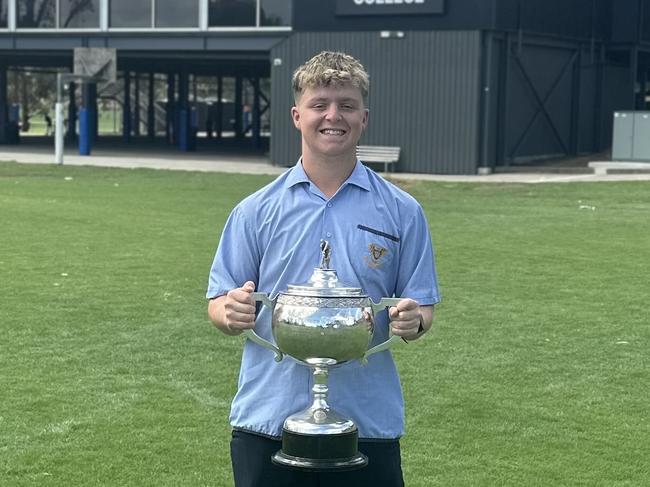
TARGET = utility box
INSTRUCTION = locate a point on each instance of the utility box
(631, 138)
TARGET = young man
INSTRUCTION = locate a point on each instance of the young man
(380, 243)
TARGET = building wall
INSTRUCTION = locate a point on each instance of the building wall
(615, 98)
(630, 21)
(580, 19)
(320, 16)
(548, 98)
(424, 95)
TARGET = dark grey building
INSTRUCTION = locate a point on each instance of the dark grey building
(461, 86)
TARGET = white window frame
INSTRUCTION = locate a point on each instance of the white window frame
(104, 21)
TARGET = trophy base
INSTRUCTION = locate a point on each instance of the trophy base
(320, 453)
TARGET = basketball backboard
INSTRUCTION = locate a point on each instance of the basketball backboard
(99, 63)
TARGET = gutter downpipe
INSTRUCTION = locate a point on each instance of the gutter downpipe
(485, 95)
(484, 142)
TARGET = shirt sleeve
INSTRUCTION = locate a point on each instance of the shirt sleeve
(417, 278)
(237, 259)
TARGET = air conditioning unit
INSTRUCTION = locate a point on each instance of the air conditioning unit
(631, 138)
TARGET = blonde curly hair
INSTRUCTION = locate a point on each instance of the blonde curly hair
(329, 68)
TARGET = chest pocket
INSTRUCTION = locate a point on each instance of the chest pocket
(379, 252)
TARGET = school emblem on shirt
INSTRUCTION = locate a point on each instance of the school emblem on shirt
(375, 255)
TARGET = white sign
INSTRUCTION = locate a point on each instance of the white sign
(389, 7)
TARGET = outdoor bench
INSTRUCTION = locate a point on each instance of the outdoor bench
(388, 156)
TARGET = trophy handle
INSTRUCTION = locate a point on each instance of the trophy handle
(254, 337)
(376, 307)
(264, 299)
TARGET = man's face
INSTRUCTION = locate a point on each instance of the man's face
(331, 120)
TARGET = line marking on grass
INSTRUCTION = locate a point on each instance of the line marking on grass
(200, 395)
(60, 428)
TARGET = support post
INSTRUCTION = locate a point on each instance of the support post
(71, 129)
(58, 133)
(86, 115)
(151, 120)
(58, 120)
(170, 131)
(126, 108)
(219, 126)
(85, 129)
(183, 112)
(239, 132)
(4, 119)
(92, 111)
(136, 107)
(257, 139)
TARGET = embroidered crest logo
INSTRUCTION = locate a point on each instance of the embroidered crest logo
(374, 259)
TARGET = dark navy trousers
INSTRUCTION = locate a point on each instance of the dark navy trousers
(252, 466)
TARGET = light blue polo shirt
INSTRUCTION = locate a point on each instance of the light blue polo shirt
(380, 242)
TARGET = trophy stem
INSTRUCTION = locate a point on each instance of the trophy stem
(318, 438)
(320, 390)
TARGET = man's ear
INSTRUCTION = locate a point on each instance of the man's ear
(366, 113)
(295, 116)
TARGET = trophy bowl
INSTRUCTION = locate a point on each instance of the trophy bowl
(321, 324)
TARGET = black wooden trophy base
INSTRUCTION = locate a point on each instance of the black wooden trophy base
(320, 453)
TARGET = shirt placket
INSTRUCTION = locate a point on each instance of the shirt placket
(328, 231)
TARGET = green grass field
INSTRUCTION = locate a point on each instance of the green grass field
(536, 373)
(109, 121)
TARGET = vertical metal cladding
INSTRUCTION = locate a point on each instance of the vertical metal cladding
(424, 95)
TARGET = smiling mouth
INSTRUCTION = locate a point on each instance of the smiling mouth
(332, 132)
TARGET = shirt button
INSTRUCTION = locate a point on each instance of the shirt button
(329, 205)
(328, 234)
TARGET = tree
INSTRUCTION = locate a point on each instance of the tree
(35, 91)
(37, 13)
(78, 7)
(42, 13)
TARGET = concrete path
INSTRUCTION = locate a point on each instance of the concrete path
(255, 164)
(172, 160)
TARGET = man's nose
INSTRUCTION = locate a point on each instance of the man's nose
(333, 112)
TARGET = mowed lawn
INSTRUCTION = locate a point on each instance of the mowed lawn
(537, 372)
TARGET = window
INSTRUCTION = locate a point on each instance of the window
(3, 14)
(78, 13)
(176, 13)
(232, 13)
(146, 14)
(275, 13)
(130, 13)
(36, 14)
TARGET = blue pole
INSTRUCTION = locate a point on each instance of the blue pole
(183, 130)
(14, 112)
(84, 132)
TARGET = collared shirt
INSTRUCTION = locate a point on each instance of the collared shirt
(379, 241)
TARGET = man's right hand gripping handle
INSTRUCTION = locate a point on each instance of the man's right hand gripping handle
(234, 312)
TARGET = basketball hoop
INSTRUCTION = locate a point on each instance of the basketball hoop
(91, 65)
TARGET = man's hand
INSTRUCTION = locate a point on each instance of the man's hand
(234, 312)
(406, 318)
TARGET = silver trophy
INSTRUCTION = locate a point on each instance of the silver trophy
(322, 323)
